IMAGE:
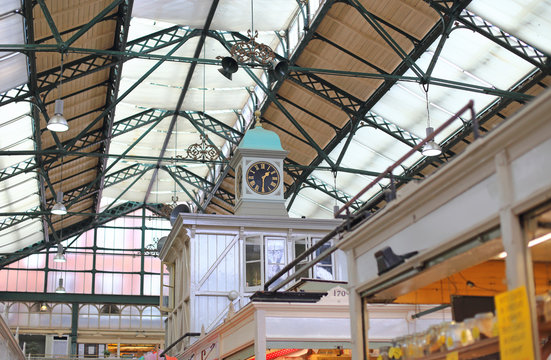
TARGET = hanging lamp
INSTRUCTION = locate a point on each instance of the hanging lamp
(431, 148)
(60, 257)
(59, 208)
(60, 289)
(58, 123)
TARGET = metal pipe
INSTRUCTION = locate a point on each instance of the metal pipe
(430, 311)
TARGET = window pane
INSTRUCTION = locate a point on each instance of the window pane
(253, 273)
(252, 252)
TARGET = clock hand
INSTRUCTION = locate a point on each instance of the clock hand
(263, 178)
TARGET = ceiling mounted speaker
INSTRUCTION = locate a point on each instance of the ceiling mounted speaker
(182, 208)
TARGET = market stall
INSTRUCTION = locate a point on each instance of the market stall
(472, 237)
(298, 325)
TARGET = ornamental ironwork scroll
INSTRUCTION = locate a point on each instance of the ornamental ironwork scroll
(250, 50)
(200, 151)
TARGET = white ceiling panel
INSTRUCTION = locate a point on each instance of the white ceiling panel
(14, 71)
(230, 15)
(21, 235)
(528, 20)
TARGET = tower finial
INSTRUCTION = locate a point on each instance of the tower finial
(257, 118)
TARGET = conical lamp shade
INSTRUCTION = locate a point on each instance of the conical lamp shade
(431, 148)
(59, 257)
(58, 123)
(59, 208)
(60, 289)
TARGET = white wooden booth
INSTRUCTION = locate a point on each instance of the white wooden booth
(215, 260)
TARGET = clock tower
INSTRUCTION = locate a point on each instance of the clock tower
(258, 165)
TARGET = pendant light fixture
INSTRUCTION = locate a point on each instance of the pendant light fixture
(60, 257)
(58, 123)
(431, 148)
(60, 289)
(59, 208)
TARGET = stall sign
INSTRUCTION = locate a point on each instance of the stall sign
(514, 325)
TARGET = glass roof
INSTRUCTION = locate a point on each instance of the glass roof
(466, 57)
(18, 193)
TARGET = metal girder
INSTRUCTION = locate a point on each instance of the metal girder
(49, 79)
(477, 24)
(22, 167)
(78, 298)
(318, 184)
(120, 127)
(185, 88)
(192, 197)
(19, 93)
(97, 60)
(392, 78)
(201, 183)
(350, 104)
(126, 173)
(85, 190)
(306, 111)
(295, 169)
(123, 24)
(348, 52)
(324, 89)
(161, 39)
(483, 116)
(50, 21)
(373, 21)
(70, 231)
(138, 177)
(10, 221)
(216, 126)
(378, 122)
(93, 22)
(119, 98)
(36, 109)
(54, 154)
(72, 30)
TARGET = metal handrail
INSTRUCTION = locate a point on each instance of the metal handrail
(188, 334)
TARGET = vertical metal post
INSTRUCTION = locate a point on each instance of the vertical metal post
(95, 251)
(74, 329)
(46, 270)
(142, 253)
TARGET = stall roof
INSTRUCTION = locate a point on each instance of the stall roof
(141, 87)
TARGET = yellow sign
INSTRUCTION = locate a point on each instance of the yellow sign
(454, 355)
(515, 328)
